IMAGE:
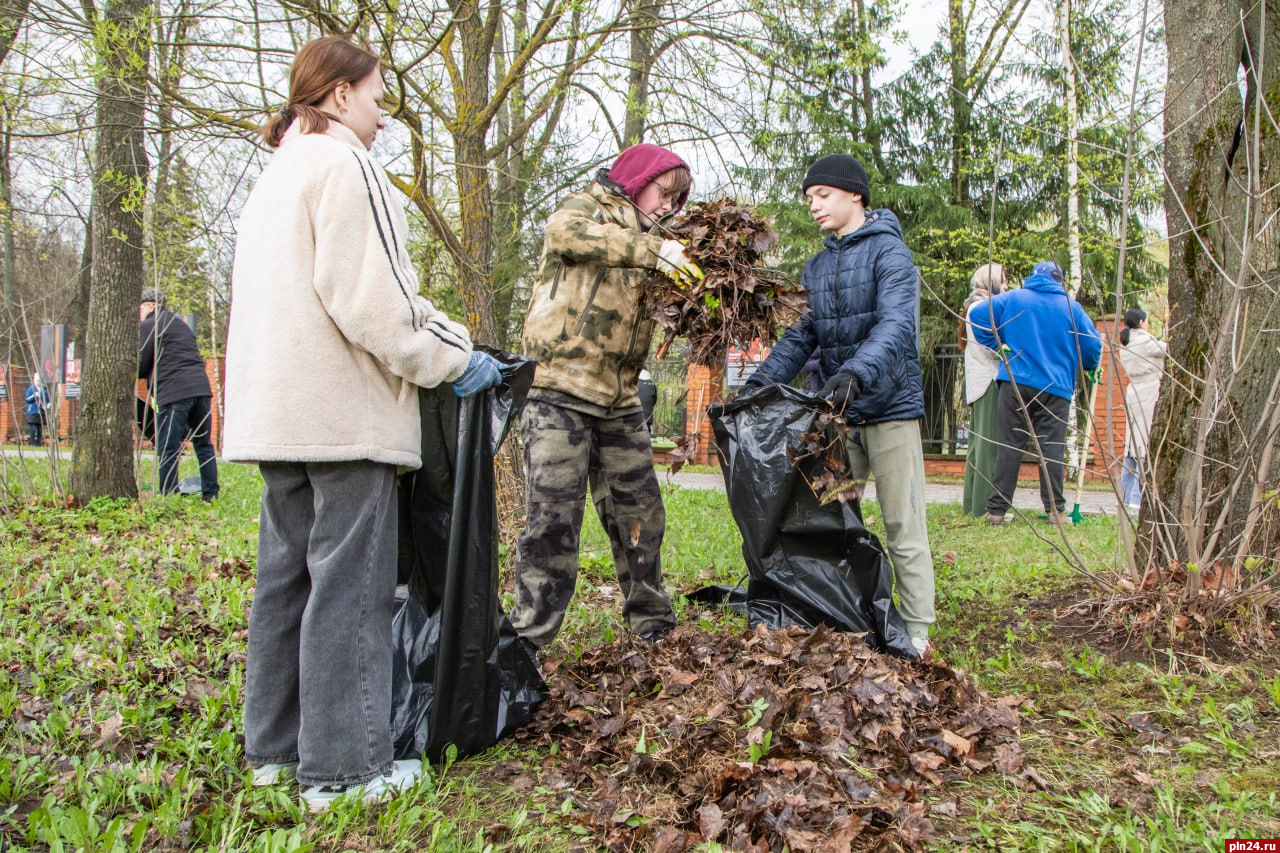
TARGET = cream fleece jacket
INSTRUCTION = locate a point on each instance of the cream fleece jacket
(329, 339)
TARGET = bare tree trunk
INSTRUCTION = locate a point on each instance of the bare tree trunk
(78, 307)
(509, 186)
(477, 31)
(644, 26)
(961, 102)
(1074, 272)
(102, 464)
(1218, 420)
(870, 122)
(12, 16)
(9, 309)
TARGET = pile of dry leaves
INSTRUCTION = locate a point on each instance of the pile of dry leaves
(801, 738)
(738, 300)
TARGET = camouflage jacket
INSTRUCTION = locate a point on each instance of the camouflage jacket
(586, 326)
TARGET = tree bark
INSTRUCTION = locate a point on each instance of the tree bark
(510, 183)
(9, 337)
(12, 16)
(1215, 434)
(870, 122)
(644, 27)
(477, 31)
(102, 464)
(1075, 275)
(961, 102)
(78, 307)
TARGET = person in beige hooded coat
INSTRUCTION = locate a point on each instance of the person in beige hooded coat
(1142, 356)
(328, 344)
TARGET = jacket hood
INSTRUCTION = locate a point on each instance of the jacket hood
(880, 221)
(1044, 283)
(611, 186)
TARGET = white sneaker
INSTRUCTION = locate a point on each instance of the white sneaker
(921, 645)
(402, 775)
(270, 774)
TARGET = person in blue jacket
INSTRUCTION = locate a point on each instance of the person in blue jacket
(37, 400)
(862, 290)
(1044, 338)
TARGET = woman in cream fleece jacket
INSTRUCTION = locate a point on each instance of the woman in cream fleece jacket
(329, 343)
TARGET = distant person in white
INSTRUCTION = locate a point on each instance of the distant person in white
(1142, 357)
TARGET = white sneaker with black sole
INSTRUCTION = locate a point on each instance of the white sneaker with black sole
(402, 775)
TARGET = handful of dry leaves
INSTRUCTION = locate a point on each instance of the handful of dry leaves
(738, 300)
(830, 479)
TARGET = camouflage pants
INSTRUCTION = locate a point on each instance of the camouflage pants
(563, 451)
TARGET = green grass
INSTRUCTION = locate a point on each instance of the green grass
(122, 635)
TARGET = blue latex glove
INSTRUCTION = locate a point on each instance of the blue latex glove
(482, 372)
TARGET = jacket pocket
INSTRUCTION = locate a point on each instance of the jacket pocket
(555, 280)
(591, 300)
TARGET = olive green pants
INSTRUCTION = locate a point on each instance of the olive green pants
(892, 452)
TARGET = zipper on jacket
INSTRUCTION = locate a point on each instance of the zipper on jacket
(631, 345)
(586, 309)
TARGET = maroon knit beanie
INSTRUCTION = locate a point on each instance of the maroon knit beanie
(640, 164)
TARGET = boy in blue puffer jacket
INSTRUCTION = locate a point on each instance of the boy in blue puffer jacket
(1045, 336)
(862, 290)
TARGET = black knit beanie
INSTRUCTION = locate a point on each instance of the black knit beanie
(842, 172)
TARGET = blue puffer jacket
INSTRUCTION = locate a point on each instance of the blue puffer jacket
(863, 292)
(1049, 333)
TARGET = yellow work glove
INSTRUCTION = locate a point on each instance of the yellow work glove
(676, 264)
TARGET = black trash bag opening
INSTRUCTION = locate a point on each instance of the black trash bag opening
(460, 675)
(810, 564)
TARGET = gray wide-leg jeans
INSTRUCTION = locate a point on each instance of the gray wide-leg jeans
(318, 674)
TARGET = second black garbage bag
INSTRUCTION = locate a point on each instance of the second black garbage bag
(809, 563)
(460, 675)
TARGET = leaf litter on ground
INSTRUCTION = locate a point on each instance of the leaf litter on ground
(795, 737)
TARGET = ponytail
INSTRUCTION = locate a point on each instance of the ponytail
(311, 120)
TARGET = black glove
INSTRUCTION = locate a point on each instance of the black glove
(755, 380)
(841, 390)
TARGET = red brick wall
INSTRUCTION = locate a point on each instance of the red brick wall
(13, 418)
(1106, 439)
(216, 370)
(704, 387)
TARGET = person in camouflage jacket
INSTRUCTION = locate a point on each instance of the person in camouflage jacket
(589, 333)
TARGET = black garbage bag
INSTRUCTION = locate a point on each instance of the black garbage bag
(460, 675)
(809, 563)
